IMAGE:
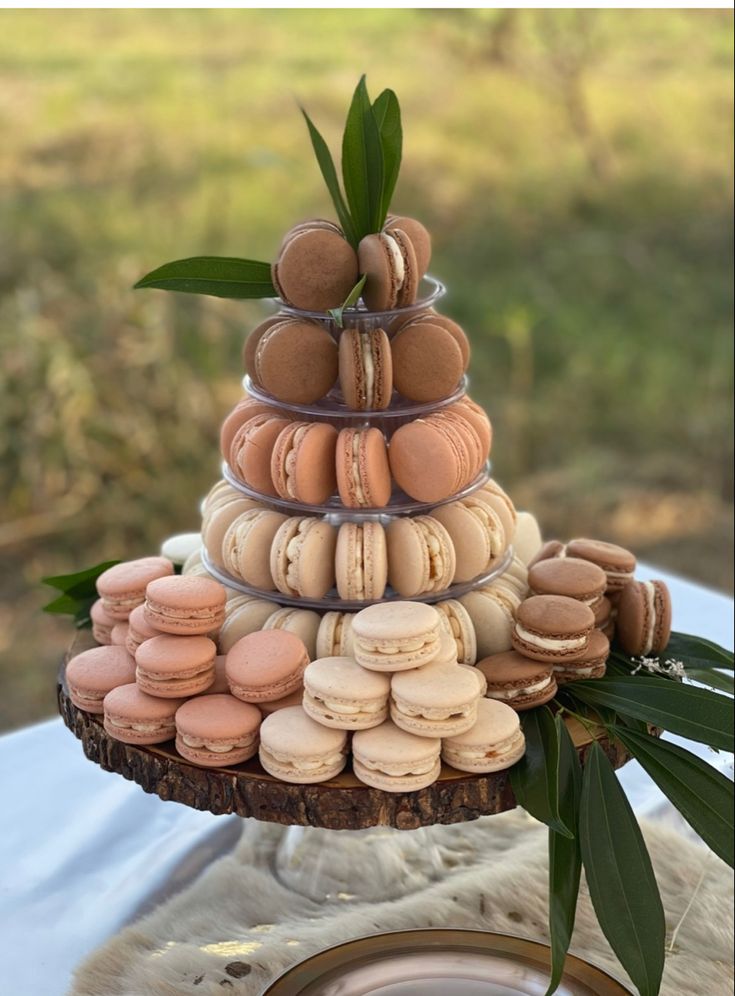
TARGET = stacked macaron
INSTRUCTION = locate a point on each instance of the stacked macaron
(276, 455)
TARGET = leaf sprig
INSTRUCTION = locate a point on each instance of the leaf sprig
(372, 146)
(78, 593)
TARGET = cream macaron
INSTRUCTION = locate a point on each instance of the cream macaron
(396, 636)
(297, 749)
(341, 694)
(388, 758)
(495, 741)
(437, 700)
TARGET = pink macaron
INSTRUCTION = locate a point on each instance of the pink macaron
(175, 666)
(102, 623)
(93, 673)
(266, 665)
(123, 586)
(216, 731)
(186, 604)
(139, 630)
(134, 717)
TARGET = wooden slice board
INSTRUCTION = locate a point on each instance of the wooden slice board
(343, 803)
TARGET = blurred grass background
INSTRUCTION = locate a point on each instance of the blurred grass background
(575, 168)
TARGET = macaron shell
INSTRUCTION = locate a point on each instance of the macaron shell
(563, 623)
(497, 727)
(593, 665)
(300, 741)
(365, 369)
(478, 419)
(302, 557)
(618, 563)
(123, 586)
(460, 626)
(384, 756)
(427, 461)
(433, 689)
(513, 673)
(179, 547)
(251, 347)
(394, 636)
(129, 705)
(477, 535)
(406, 293)
(334, 638)
(379, 292)
(421, 556)
(549, 550)
(215, 525)
(419, 236)
(363, 471)
(395, 783)
(297, 361)
(185, 605)
(361, 561)
(219, 718)
(316, 268)
(492, 617)
(427, 362)
(248, 617)
(303, 623)
(569, 576)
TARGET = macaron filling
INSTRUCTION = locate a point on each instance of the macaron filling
(399, 769)
(289, 464)
(151, 727)
(561, 643)
(492, 525)
(578, 672)
(218, 746)
(514, 693)
(368, 366)
(171, 613)
(360, 496)
(402, 707)
(649, 592)
(344, 707)
(293, 553)
(407, 646)
(301, 765)
(168, 679)
(276, 690)
(397, 262)
(475, 755)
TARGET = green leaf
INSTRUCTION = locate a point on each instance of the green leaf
(218, 276)
(683, 647)
(79, 592)
(326, 165)
(535, 778)
(619, 875)
(352, 298)
(565, 859)
(387, 112)
(696, 713)
(703, 795)
(362, 163)
(715, 679)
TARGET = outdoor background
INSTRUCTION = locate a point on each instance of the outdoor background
(574, 167)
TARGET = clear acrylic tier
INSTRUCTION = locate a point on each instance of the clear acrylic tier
(331, 601)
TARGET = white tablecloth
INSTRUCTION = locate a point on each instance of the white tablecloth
(83, 852)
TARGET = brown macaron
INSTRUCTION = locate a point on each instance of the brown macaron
(363, 471)
(478, 419)
(617, 562)
(592, 665)
(303, 462)
(427, 361)
(605, 617)
(644, 618)
(250, 347)
(419, 236)
(365, 369)
(519, 682)
(296, 361)
(429, 459)
(550, 550)
(569, 576)
(553, 628)
(316, 267)
(387, 260)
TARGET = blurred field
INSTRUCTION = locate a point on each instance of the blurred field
(575, 168)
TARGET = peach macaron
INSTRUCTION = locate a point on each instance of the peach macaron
(217, 730)
(175, 666)
(93, 673)
(185, 604)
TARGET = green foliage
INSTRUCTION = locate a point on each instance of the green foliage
(218, 276)
(78, 593)
(619, 875)
(536, 778)
(362, 164)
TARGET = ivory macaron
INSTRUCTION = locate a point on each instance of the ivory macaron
(644, 618)
(395, 636)
(175, 666)
(334, 638)
(302, 557)
(134, 717)
(421, 557)
(303, 462)
(266, 665)
(217, 731)
(188, 606)
(477, 533)
(365, 369)
(492, 610)
(388, 758)
(244, 614)
(247, 545)
(436, 700)
(216, 522)
(123, 586)
(341, 694)
(459, 625)
(363, 471)
(316, 268)
(93, 673)
(553, 628)
(361, 561)
(297, 749)
(494, 743)
(519, 682)
(527, 539)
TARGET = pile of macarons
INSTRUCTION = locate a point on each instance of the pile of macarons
(308, 556)
(430, 459)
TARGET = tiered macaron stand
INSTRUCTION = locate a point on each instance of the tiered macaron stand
(343, 803)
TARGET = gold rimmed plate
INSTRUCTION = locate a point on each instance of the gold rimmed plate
(440, 962)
